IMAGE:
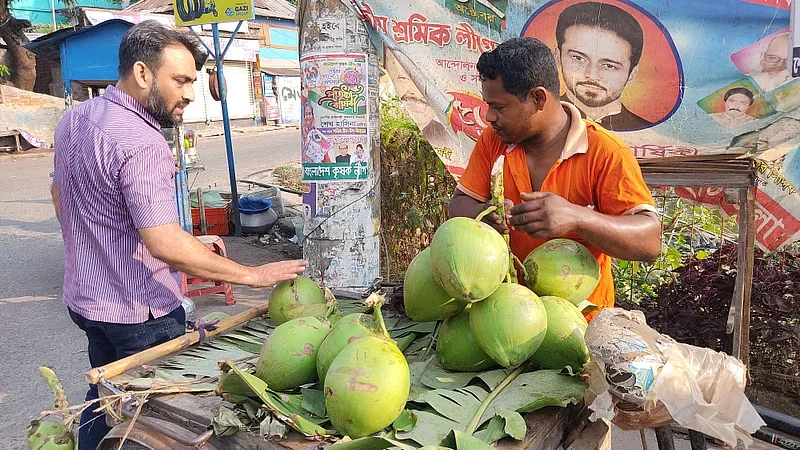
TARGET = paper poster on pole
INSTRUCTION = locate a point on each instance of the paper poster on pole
(335, 141)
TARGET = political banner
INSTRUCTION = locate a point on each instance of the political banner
(677, 78)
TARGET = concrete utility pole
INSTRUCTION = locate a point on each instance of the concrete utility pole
(342, 221)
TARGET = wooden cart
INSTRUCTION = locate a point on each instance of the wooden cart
(184, 421)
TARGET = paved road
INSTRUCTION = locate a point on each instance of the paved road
(35, 329)
(253, 153)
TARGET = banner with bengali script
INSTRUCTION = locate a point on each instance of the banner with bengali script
(683, 77)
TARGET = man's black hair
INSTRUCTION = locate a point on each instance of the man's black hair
(740, 90)
(604, 16)
(146, 42)
(523, 63)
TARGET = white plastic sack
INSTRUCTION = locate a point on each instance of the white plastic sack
(640, 378)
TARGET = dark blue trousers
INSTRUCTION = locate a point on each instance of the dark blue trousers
(109, 342)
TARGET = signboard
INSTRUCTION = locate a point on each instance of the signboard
(335, 142)
(676, 78)
(240, 49)
(98, 16)
(198, 12)
(289, 98)
(271, 110)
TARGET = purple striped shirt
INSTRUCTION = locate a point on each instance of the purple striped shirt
(114, 173)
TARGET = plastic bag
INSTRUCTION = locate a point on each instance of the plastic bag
(639, 378)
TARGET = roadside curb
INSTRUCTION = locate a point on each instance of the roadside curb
(34, 153)
(215, 132)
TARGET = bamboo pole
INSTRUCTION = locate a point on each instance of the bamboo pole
(115, 368)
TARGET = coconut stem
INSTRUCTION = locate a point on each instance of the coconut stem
(59, 396)
(476, 419)
(434, 337)
(511, 276)
(486, 212)
(331, 304)
(498, 200)
(376, 300)
(520, 265)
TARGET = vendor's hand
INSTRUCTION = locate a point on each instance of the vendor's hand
(544, 215)
(493, 218)
(270, 274)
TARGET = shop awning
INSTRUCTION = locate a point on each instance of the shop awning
(280, 67)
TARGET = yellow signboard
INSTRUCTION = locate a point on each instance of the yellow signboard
(197, 12)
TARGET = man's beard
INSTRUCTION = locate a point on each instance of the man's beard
(595, 98)
(158, 108)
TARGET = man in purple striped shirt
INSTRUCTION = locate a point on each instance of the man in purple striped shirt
(114, 194)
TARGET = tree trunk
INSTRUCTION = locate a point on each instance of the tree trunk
(22, 63)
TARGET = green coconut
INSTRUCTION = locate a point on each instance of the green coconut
(350, 328)
(290, 298)
(457, 349)
(510, 324)
(424, 299)
(469, 258)
(367, 386)
(46, 435)
(564, 343)
(288, 357)
(562, 268)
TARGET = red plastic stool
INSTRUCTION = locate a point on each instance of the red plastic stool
(215, 244)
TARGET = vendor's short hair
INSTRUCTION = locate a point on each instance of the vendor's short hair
(524, 63)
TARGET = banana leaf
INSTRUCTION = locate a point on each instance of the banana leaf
(282, 406)
(471, 405)
(465, 410)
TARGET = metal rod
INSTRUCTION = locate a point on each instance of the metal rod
(664, 438)
(202, 208)
(230, 40)
(53, 11)
(260, 184)
(210, 52)
(697, 440)
(226, 124)
(182, 184)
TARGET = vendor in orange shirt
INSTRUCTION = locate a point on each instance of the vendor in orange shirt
(563, 176)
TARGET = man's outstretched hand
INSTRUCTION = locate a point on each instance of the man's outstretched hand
(272, 273)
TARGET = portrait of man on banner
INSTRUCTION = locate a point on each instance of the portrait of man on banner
(595, 75)
(738, 101)
(766, 61)
(617, 63)
(736, 105)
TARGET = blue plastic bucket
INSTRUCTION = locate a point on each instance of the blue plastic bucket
(254, 205)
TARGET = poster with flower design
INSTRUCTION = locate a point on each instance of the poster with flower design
(335, 141)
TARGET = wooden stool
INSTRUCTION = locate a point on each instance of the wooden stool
(215, 244)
